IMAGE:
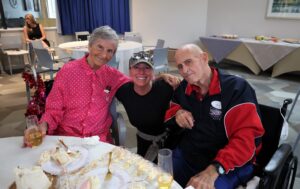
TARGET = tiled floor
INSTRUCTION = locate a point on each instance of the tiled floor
(270, 91)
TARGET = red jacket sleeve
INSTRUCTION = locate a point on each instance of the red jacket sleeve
(243, 127)
(171, 112)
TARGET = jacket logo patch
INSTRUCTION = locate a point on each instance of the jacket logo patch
(215, 110)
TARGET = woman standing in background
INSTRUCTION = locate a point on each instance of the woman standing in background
(33, 30)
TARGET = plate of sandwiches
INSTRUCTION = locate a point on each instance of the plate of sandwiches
(58, 161)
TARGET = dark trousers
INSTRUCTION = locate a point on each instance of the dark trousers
(183, 172)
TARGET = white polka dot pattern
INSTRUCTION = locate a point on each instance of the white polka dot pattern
(78, 104)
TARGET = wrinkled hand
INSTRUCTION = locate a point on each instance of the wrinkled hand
(204, 179)
(42, 128)
(184, 119)
(172, 80)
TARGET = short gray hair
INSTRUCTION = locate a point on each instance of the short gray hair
(103, 32)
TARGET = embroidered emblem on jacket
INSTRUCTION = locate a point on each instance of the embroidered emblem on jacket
(215, 110)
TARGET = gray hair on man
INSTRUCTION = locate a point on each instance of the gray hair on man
(103, 32)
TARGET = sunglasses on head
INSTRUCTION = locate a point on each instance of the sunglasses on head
(141, 55)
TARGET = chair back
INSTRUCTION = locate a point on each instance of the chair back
(118, 128)
(37, 44)
(160, 60)
(113, 62)
(11, 42)
(133, 36)
(44, 58)
(160, 43)
(82, 35)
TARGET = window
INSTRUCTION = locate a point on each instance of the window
(51, 8)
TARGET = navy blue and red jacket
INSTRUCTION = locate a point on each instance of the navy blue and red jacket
(227, 126)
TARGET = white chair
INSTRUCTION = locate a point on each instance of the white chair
(37, 44)
(44, 62)
(13, 53)
(11, 47)
(133, 36)
(82, 35)
(160, 60)
(159, 44)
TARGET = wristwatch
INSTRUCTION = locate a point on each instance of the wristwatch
(219, 168)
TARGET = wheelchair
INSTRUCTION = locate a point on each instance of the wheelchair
(276, 166)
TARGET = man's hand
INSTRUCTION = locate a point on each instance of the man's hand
(172, 80)
(204, 179)
(184, 119)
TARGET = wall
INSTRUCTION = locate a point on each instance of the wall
(180, 22)
(176, 21)
(247, 18)
(18, 11)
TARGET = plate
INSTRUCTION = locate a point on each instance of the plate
(119, 179)
(293, 41)
(53, 168)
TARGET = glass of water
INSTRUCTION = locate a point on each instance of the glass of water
(165, 163)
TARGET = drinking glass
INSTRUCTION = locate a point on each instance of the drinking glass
(34, 135)
(165, 163)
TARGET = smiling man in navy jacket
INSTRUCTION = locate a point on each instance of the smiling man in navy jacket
(223, 130)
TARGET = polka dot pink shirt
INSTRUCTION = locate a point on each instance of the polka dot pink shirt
(78, 104)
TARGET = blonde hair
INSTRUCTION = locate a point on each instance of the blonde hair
(32, 20)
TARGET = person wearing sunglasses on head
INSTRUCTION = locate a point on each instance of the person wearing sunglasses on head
(146, 101)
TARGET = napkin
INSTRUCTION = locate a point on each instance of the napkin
(189, 187)
(33, 178)
(94, 140)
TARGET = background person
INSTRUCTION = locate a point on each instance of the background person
(34, 31)
(223, 129)
(78, 104)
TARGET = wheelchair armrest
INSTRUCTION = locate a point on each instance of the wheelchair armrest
(278, 159)
(273, 170)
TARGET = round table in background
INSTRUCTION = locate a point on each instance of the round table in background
(125, 50)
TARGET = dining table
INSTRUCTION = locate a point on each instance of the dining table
(14, 155)
(78, 49)
(258, 55)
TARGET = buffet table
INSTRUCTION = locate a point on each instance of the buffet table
(14, 155)
(256, 55)
(125, 50)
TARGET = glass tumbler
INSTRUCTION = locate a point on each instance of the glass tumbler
(165, 163)
(34, 135)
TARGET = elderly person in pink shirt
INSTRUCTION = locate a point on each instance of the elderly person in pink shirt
(78, 104)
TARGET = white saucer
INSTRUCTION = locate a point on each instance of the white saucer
(55, 169)
(119, 179)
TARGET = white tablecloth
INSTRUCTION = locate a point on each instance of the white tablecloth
(263, 54)
(125, 50)
(13, 155)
